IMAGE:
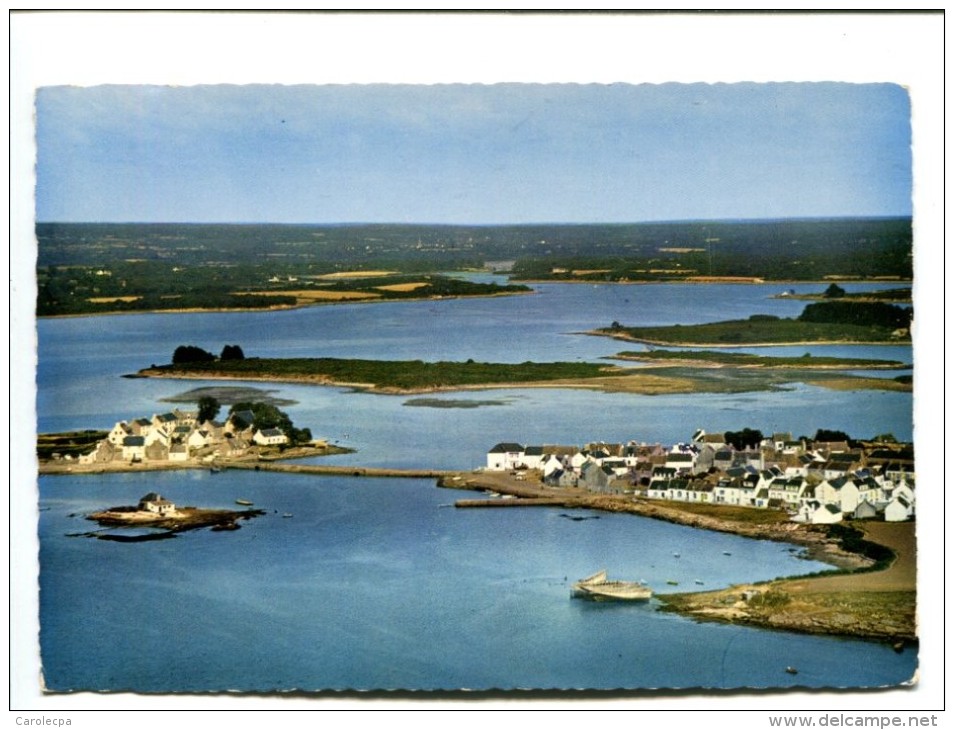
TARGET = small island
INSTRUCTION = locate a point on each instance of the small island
(163, 519)
(902, 295)
(822, 323)
(402, 377)
(708, 358)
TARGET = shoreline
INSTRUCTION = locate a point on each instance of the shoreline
(757, 281)
(711, 364)
(283, 307)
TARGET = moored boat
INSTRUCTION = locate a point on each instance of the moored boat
(244, 502)
(597, 588)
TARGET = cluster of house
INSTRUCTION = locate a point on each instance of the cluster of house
(178, 436)
(814, 482)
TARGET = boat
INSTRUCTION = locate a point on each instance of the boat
(598, 588)
(698, 582)
(672, 582)
(791, 670)
(244, 502)
(726, 552)
(287, 514)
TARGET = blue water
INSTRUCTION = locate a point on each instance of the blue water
(373, 584)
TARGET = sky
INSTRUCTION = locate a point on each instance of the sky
(472, 153)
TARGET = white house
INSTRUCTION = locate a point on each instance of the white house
(157, 435)
(119, 432)
(165, 422)
(899, 509)
(156, 503)
(682, 461)
(134, 448)
(841, 492)
(817, 513)
(504, 456)
(533, 457)
(269, 437)
(198, 439)
(550, 465)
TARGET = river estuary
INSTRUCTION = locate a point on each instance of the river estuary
(378, 584)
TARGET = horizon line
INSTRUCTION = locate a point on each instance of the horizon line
(761, 219)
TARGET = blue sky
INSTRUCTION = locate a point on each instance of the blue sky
(477, 154)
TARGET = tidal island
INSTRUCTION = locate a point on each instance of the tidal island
(162, 519)
(686, 374)
(822, 323)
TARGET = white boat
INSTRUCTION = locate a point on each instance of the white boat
(597, 588)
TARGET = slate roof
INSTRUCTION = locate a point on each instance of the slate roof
(505, 447)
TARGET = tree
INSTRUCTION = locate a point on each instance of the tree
(834, 292)
(232, 352)
(208, 408)
(265, 415)
(746, 438)
(829, 436)
(191, 353)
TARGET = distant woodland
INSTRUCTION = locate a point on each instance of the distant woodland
(85, 268)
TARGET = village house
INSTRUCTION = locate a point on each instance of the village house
(816, 513)
(118, 433)
(140, 426)
(165, 422)
(178, 452)
(134, 448)
(104, 452)
(682, 460)
(781, 475)
(505, 456)
(157, 504)
(270, 437)
(899, 509)
(157, 451)
(867, 511)
(198, 439)
(240, 422)
(595, 477)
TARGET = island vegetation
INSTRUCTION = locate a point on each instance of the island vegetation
(896, 295)
(710, 358)
(418, 376)
(820, 323)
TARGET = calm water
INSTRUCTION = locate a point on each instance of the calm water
(373, 584)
